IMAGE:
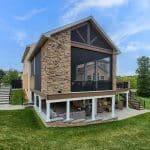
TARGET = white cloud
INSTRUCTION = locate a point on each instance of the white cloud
(79, 6)
(20, 37)
(30, 14)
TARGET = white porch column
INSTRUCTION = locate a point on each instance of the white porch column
(47, 111)
(30, 96)
(94, 110)
(95, 107)
(34, 100)
(113, 106)
(127, 100)
(68, 110)
(40, 104)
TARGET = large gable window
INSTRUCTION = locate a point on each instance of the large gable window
(88, 34)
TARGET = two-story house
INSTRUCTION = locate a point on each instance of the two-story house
(70, 73)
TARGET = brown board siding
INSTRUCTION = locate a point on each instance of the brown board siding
(79, 94)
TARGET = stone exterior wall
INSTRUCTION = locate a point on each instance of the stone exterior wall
(56, 64)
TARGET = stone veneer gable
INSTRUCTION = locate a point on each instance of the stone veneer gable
(56, 64)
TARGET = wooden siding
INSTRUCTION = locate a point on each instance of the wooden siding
(89, 47)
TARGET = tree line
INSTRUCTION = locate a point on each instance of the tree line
(140, 81)
(7, 77)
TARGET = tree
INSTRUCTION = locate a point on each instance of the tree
(10, 76)
(143, 78)
(2, 73)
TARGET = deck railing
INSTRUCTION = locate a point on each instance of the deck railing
(77, 86)
(123, 84)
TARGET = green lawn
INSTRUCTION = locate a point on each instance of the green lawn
(16, 97)
(22, 129)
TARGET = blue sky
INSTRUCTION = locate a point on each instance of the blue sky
(127, 22)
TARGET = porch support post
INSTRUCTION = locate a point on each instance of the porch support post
(40, 104)
(113, 106)
(95, 107)
(127, 100)
(47, 111)
(30, 96)
(94, 111)
(34, 100)
(68, 110)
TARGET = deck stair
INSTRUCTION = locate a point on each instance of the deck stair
(4, 95)
(136, 105)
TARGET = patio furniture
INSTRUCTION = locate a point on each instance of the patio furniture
(74, 115)
(104, 105)
(100, 108)
(88, 110)
(78, 115)
(120, 105)
(78, 104)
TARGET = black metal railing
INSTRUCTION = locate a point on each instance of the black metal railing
(77, 86)
(123, 85)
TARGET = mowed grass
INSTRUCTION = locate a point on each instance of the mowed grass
(22, 129)
(17, 97)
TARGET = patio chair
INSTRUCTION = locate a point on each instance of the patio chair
(120, 105)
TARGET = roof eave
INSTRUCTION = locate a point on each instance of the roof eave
(37, 47)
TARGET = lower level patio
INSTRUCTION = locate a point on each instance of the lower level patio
(100, 118)
(84, 110)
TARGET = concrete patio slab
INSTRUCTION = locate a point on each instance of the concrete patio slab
(11, 107)
(122, 114)
(127, 113)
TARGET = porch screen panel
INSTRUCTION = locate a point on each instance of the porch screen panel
(38, 71)
(90, 71)
(80, 72)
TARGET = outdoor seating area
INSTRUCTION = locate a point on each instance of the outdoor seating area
(82, 110)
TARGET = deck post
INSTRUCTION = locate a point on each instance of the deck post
(30, 97)
(94, 111)
(113, 106)
(34, 100)
(47, 111)
(68, 110)
(127, 100)
(40, 104)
